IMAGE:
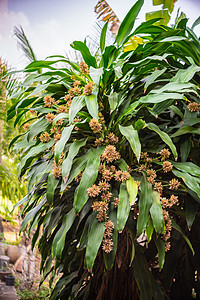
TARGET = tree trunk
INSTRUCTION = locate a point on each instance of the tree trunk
(28, 265)
(119, 283)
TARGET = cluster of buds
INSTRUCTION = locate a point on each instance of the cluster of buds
(88, 88)
(49, 101)
(84, 67)
(107, 244)
(95, 125)
(194, 106)
(44, 137)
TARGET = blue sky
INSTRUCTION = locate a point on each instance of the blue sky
(52, 25)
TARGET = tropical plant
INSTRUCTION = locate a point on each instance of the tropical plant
(112, 161)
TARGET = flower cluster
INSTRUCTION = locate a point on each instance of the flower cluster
(95, 125)
(168, 228)
(167, 166)
(194, 106)
(50, 117)
(107, 244)
(26, 126)
(88, 88)
(110, 154)
(49, 101)
(164, 154)
(84, 67)
(111, 138)
(44, 137)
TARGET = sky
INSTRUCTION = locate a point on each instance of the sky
(51, 26)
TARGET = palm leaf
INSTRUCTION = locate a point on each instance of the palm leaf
(104, 11)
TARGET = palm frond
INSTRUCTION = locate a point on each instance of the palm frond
(104, 11)
(24, 44)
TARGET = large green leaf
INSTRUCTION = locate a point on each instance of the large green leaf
(51, 186)
(128, 23)
(59, 147)
(96, 74)
(190, 211)
(157, 98)
(189, 180)
(103, 37)
(94, 241)
(88, 179)
(185, 75)
(187, 167)
(88, 58)
(73, 151)
(59, 239)
(34, 151)
(77, 104)
(123, 207)
(92, 105)
(150, 79)
(164, 136)
(160, 245)
(132, 136)
(145, 203)
(157, 213)
(31, 214)
(36, 128)
(132, 188)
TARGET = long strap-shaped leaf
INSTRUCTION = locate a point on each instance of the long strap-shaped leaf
(132, 136)
(59, 239)
(94, 241)
(75, 107)
(82, 47)
(73, 151)
(145, 203)
(123, 207)
(92, 105)
(128, 22)
(88, 179)
(164, 136)
(157, 213)
(61, 143)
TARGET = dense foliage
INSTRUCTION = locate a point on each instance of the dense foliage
(111, 152)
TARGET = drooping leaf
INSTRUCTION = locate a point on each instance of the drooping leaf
(189, 180)
(94, 241)
(59, 147)
(132, 136)
(164, 136)
(52, 183)
(149, 229)
(77, 104)
(123, 207)
(160, 245)
(59, 239)
(92, 105)
(88, 179)
(150, 79)
(145, 203)
(190, 211)
(132, 188)
(157, 213)
(73, 151)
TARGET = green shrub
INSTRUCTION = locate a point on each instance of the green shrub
(112, 157)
